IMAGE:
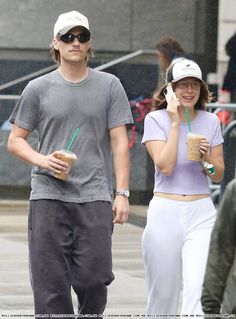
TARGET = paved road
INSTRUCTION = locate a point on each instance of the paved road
(127, 295)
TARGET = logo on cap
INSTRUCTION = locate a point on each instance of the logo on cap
(182, 69)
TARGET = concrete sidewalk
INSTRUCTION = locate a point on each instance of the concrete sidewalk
(126, 295)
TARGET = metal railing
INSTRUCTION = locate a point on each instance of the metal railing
(222, 106)
(9, 97)
(53, 67)
(27, 77)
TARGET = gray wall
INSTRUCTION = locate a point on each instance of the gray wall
(116, 25)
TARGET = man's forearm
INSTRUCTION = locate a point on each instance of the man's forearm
(19, 147)
(121, 161)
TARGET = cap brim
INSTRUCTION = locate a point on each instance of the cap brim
(187, 76)
(68, 28)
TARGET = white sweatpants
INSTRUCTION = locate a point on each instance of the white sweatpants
(175, 246)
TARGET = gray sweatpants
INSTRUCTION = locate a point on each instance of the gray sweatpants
(70, 246)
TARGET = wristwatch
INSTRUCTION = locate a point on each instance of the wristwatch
(123, 192)
(208, 167)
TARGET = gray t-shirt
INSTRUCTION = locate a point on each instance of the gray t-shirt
(55, 108)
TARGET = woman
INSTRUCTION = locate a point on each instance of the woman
(167, 49)
(181, 214)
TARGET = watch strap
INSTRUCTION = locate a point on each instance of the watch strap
(123, 192)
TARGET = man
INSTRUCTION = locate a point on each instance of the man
(70, 222)
(219, 288)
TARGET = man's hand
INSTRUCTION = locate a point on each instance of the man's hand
(121, 209)
(52, 163)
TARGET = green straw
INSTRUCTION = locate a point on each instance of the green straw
(72, 139)
(188, 120)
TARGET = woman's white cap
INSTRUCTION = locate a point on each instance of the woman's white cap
(183, 68)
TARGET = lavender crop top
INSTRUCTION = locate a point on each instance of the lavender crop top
(188, 177)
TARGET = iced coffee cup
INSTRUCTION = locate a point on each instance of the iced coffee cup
(68, 157)
(193, 146)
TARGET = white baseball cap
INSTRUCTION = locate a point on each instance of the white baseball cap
(183, 68)
(69, 20)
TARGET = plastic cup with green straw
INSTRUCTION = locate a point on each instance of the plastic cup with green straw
(68, 157)
(188, 119)
(72, 139)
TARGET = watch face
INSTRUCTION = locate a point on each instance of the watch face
(123, 192)
(126, 193)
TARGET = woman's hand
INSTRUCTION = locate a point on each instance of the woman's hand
(172, 109)
(204, 148)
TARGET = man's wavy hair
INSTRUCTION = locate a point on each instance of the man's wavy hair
(56, 54)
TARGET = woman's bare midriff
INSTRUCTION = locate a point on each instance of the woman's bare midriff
(186, 198)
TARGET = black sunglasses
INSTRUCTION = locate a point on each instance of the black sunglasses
(69, 37)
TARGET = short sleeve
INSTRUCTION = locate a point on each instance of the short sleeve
(217, 136)
(119, 110)
(152, 129)
(25, 113)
